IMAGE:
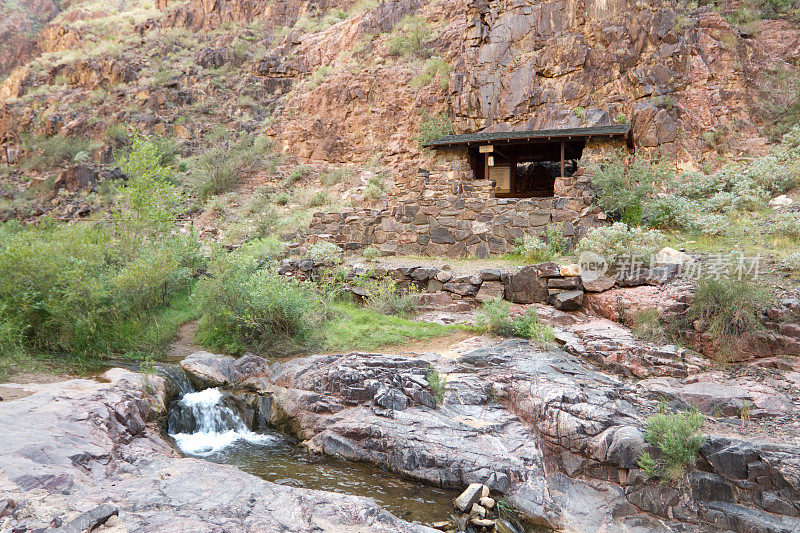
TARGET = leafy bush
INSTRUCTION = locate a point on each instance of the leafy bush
(437, 384)
(409, 38)
(550, 245)
(433, 127)
(220, 169)
(678, 439)
(89, 291)
(619, 240)
(729, 308)
(494, 316)
(371, 253)
(56, 150)
(669, 212)
(149, 202)
(785, 225)
(528, 326)
(320, 198)
(246, 307)
(710, 223)
(624, 182)
(318, 76)
(264, 250)
(297, 174)
(385, 297)
(325, 252)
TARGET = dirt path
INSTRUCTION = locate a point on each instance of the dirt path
(183, 344)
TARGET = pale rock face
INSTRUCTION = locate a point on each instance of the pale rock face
(671, 256)
(780, 201)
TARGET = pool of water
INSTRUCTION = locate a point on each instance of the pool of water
(281, 461)
(206, 424)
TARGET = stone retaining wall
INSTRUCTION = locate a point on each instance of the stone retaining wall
(559, 286)
(446, 212)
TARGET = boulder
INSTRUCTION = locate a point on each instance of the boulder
(472, 494)
(548, 270)
(525, 286)
(671, 256)
(600, 284)
(567, 300)
(490, 290)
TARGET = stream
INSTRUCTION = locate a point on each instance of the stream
(204, 424)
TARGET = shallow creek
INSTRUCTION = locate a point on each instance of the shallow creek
(202, 424)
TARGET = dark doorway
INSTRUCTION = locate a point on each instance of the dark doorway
(527, 169)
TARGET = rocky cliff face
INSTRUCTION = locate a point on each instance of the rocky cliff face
(19, 26)
(324, 81)
(671, 72)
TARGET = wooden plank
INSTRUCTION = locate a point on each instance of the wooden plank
(562, 159)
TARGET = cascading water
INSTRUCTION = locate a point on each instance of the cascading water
(207, 424)
(202, 424)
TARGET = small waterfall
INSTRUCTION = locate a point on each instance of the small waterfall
(202, 424)
(176, 376)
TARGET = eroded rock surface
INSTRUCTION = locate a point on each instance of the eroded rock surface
(83, 446)
(560, 438)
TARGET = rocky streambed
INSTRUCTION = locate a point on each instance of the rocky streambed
(557, 435)
(552, 431)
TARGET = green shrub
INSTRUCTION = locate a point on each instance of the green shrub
(220, 169)
(386, 297)
(300, 172)
(550, 245)
(678, 439)
(433, 127)
(56, 150)
(375, 187)
(435, 67)
(729, 308)
(264, 250)
(528, 326)
(88, 291)
(149, 202)
(336, 175)
(437, 384)
(320, 198)
(785, 225)
(620, 240)
(669, 212)
(325, 252)
(623, 183)
(318, 76)
(246, 307)
(410, 37)
(282, 198)
(494, 316)
(371, 253)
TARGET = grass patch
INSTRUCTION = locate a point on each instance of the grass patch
(494, 317)
(729, 310)
(356, 328)
(433, 127)
(678, 438)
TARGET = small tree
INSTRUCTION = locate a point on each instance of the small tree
(149, 202)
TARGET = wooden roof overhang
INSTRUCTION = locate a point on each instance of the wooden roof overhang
(501, 138)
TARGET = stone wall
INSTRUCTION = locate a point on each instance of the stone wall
(446, 212)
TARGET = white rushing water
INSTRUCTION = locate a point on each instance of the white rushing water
(218, 426)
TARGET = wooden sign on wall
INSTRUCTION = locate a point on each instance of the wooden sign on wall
(487, 149)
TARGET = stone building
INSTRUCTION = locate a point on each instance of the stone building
(484, 192)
